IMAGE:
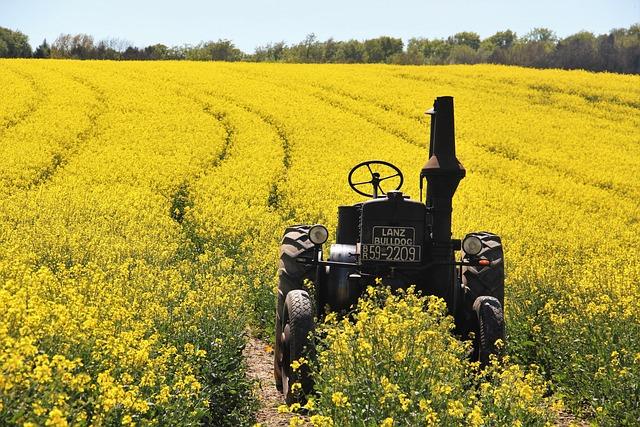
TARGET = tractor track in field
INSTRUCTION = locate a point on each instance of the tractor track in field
(229, 129)
(277, 198)
(40, 97)
(181, 199)
(60, 158)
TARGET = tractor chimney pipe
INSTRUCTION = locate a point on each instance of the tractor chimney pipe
(443, 173)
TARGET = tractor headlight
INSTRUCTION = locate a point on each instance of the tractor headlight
(318, 234)
(472, 245)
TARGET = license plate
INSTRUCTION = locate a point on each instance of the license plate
(393, 244)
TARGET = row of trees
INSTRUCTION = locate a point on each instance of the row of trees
(617, 51)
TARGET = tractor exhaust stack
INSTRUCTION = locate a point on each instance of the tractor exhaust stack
(443, 173)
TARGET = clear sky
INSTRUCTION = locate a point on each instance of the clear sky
(253, 23)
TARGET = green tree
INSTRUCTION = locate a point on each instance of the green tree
(577, 51)
(4, 49)
(541, 35)
(535, 49)
(271, 52)
(465, 38)
(43, 51)
(310, 50)
(156, 51)
(496, 49)
(222, 50)
(382, 49)
(463, 54)
(78, 46)
(14, 44)
(350, 52)
(330, 50)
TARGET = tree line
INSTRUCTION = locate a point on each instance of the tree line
(618, 51)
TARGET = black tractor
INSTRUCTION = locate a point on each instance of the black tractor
(402, 241)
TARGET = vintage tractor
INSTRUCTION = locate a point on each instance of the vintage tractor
(402, 241)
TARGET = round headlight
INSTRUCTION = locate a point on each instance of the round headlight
(472, 245)
(318, 234)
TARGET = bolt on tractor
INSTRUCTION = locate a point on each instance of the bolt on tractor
(402, 241)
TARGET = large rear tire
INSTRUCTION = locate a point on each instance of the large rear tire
(291, 276)
(485, 280)
(297, 324)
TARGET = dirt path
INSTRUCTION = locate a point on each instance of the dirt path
(259, 357)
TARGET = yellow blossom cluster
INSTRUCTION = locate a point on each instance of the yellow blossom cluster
(433, 384)
(143, 204)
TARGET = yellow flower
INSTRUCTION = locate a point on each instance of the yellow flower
(295, 407)
(431, 418)
(404, 401)
(283, 409)
(339, 399)
(475, 416)
(364, 346)
(388, 422)
(455, 408)
(56, 418)
(424, 404)
(296, 364)
(310, 405)
(321, 421)
(526, 392)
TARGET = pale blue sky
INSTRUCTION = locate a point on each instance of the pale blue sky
(253, 23)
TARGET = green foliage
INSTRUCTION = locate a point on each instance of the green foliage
(350, 52)
(382, 49)
(221, 50)
(14, 44)
(466, 38)
(541, 35)
(43, 51)
(618, 51)
(502, 39)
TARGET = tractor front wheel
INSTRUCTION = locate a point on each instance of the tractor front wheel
(297, 323)
(291, 275)
(490, 328)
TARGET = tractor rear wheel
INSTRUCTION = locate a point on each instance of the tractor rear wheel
(483, 306)
(291, 275)
(485, 280)
(490, 328)
(297, 323)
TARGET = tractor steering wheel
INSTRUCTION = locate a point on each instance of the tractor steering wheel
(379, 171)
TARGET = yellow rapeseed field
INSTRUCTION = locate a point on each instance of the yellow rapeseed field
(142, 206)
